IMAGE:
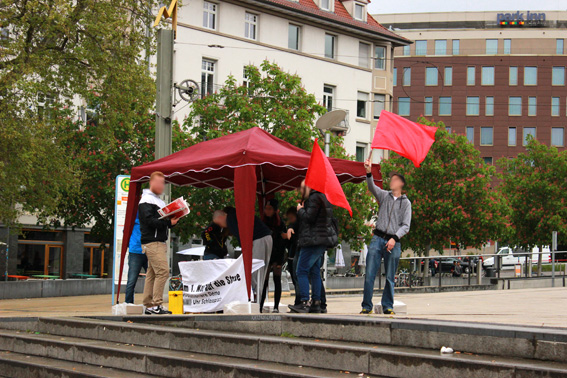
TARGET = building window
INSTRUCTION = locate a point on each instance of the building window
(359, 11)
(473, 106)
(363, 54)
(379, 104)
(207, 77)
(512, 136)
(431, 75)
(428, 111)
(379, 57)
(293, 37)
(420, 47)
(530, 75)
(507, 46)
(456, 47)
(441, 47)
(559, 42)
(487, 76)
(529, 131)
(404, 106)
(395, 77)
(555, 106)
(406, 77)
(514, 106)
(532, 106)
(487, 160)
(558, 76)
(470, 134)
(330, 46)
(210, 15)
(328, 97)
(471, 71)
(406, 50)
(250, 26)
(489, 107)
(361, 151)
(448, 77)
(513, 80)
(245, 82)
(361, 102)
(486, 136)
(445, 106)
(325, 4)
(491, 46)
(448, 129)
(557, 136)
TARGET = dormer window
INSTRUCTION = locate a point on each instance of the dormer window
(359, 11)
(326, 5)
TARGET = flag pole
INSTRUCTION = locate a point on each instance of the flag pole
(370, 154)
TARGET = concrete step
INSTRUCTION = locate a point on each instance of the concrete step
(364, 357)
(19, 365)
(141, 360)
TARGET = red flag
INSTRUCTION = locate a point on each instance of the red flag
(406, 138)
(321, 177)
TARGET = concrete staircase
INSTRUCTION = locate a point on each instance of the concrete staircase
(275, 346)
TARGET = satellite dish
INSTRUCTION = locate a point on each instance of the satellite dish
(188, 90)
(331, 119)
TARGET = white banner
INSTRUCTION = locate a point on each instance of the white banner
(120, 204)
(209, 285)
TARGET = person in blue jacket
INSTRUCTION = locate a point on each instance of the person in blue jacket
(136, 261)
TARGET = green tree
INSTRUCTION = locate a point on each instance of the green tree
(451, 194)
(534, 185)
(275, 101)
(56, 53)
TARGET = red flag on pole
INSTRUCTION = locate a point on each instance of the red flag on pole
(321, 177)
(409, 139)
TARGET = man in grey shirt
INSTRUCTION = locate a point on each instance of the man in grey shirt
(394, 218)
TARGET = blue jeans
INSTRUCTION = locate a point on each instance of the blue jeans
(136, 261)
(309, 269)
(211, 256)
(376, 252)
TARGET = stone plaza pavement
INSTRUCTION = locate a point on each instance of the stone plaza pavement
(535, 307)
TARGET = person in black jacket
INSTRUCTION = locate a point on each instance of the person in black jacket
(214, 239)
(292, 249)
(261, 245)
(272, 219)
(317, 232)
(154, 232)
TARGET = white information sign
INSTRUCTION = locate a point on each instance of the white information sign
(120, 203)
(211, 284)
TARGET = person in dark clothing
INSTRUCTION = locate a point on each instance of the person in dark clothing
(214, 238)
(261, 245)
(457, 269)
(136, 261)
(317, 232)
(272, 219)
(292, 250)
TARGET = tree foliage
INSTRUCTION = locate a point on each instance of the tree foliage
(451, 194)
(56, 53)
(275, 101)
(534, 184)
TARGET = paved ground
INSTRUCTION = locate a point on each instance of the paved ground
(536, 307)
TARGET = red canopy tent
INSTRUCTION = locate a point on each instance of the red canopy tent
(253, 162)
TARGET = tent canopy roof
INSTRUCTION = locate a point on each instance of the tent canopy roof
(279, 165)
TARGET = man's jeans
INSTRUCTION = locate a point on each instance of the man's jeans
(136, 261)
(376, 252)
(309, 269)
(210, 256)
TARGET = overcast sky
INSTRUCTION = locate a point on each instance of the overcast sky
(417, 6)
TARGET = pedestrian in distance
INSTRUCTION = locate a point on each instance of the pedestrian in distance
(136, 261)
(261, 245)
(317, 232)
(394, 219)
(154, 234)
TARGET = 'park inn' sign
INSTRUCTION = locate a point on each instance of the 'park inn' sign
(520, 18)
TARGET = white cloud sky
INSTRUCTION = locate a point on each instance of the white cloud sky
(423, 6)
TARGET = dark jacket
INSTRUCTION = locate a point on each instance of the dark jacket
(260, 229)
(152, 228)
(277, 227)
(292, 243)
(214, 240)
(316, 224)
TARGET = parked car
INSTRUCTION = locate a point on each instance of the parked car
(509, 257)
